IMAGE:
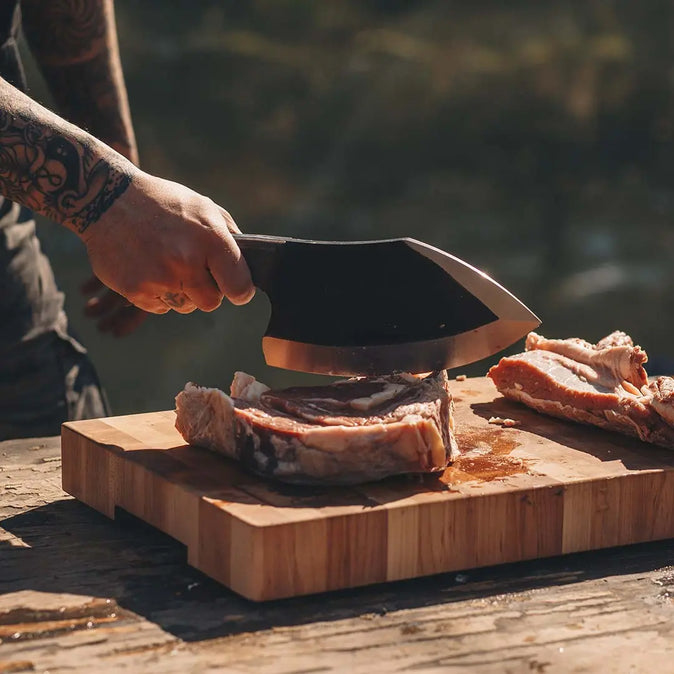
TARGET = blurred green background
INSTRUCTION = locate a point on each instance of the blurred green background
(534, 140)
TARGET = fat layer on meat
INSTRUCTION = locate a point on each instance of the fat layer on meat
(614, 358)
(343, 433)
(603, 384)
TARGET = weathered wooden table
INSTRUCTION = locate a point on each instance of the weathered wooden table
(81, 593)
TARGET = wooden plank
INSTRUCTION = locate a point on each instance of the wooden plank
(542, 488)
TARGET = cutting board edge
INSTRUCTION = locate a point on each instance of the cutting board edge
(255, 542)
(75, 464)
(260, 595)
(344, 548)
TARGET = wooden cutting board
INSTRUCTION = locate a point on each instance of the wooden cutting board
(542, 488)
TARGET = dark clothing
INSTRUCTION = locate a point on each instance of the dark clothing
(46, 377)
(43, 382)
(30, 302)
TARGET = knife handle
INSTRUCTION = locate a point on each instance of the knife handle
(261, 253)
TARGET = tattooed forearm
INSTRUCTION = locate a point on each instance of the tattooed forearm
(75, 43)
(55, 168)
(61, 177)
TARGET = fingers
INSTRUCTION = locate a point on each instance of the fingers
(122, 321)
(232, 276)
(205, 296)
(203, 291)
(152, 305)
(178, 301)
(231, 225)
(228, 267)
(111, 311)
(103, 304)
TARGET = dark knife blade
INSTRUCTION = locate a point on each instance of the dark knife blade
(375, 307)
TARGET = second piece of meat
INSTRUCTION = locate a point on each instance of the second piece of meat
(603, 384)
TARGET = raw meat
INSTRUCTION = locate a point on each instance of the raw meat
(603, 384)
(351, 431)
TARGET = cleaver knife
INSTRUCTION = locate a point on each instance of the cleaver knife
(378, 307)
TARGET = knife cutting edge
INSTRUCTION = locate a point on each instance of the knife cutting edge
(376, 307)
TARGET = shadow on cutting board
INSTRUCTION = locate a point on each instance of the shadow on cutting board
(73, 549)
(602, 444)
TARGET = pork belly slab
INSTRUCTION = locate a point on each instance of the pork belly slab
(603, 384)
(352, 431)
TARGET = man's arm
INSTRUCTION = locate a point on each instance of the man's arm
(75, 45)
(157, 243)
(54, 167)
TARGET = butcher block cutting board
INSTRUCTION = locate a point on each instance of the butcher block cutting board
(542, 488)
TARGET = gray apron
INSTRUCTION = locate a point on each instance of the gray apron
(46, 377)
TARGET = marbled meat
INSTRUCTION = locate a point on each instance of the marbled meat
(351, 431)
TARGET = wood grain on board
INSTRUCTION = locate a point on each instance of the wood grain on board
(542, 488)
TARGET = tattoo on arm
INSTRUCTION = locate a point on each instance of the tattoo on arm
(52, 174)
(75, 43)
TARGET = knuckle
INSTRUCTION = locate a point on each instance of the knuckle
(176, 300)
